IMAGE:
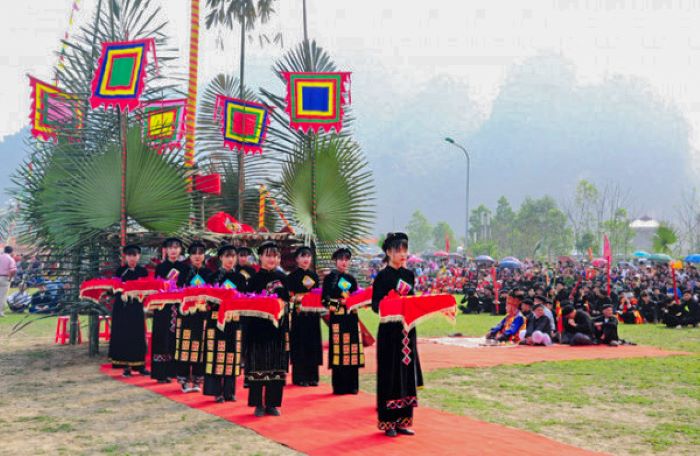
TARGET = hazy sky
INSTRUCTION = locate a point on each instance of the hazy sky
(395, 47)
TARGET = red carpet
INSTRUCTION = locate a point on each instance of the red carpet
(315, 422)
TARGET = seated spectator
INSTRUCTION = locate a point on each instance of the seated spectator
(578, 327)
(628, 312)
(684, 313)
(649, 308)
(20, 299)
(508, 330)
(548, 311)
(472, 301)
(539, 328)
(605, 327)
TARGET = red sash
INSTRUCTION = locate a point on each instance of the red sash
(268, 307)
(93, 289)
(410, 310)
(360, 298)
(141, 288)
(156, 301)
(311, 302)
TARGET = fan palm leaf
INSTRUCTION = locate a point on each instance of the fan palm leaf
(344, 191)
(86, 201)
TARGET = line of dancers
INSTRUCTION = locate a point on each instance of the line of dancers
(191, 348)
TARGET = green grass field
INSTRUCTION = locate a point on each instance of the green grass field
(631, 406)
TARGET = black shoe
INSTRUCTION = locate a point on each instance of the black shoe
(219, 399)
(353, 392)
(390, 433)
(126, 373)
(231, 399)
(259, 411)
(144, 371)
(272, 411)
(405, 431)
(313, 383)
(164, 380)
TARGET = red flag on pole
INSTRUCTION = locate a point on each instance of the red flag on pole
(447, 244)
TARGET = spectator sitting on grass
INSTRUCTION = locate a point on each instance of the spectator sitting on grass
(20, 299)
(605, 327)
(508, 330)
(578, 327)
(538, 329)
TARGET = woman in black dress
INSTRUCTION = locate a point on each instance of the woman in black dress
(345, 350)
(165, 319)
(398, 367)
(305, 335)
(267, 346)
(222, 355)
(127, 344)
(189, 329)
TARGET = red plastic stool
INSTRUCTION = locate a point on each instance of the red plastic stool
(105, 327)
(62, 332)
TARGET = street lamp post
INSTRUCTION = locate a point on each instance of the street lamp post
(466, 225)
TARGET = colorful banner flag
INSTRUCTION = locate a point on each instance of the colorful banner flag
(243, 123)
(164, 123)
(120, 76)
(316, 100)
(53, 109)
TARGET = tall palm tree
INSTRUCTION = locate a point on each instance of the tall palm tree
(326, 181)
(245, 14)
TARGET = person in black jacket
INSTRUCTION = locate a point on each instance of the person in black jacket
(189, 329)
(222, 348)
(539, 328)
(267, 345)
(127, 344)
(606, 327)
(471, 300)
(305, 336)
(578, 327)
(345, 350)
(165, 319)
(399, 373)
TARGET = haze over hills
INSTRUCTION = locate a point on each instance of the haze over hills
(543, 133)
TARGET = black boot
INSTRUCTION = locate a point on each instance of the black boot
(259, 411)
(405, 431)
(272, 411)
(127, 372)
(390, 433)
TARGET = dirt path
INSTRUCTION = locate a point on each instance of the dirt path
(55, 401)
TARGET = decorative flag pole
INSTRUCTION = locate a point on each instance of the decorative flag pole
(192, 87)
(261, 208)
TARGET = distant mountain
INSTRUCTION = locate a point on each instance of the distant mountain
(12, 154)
(544, 133)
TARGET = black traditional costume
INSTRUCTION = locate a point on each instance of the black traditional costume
(165, 321)
(127, 344)
(189, 333)
(267, 346)
(345, 351)
(223, 348)
(399, 373)
(305, 335)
